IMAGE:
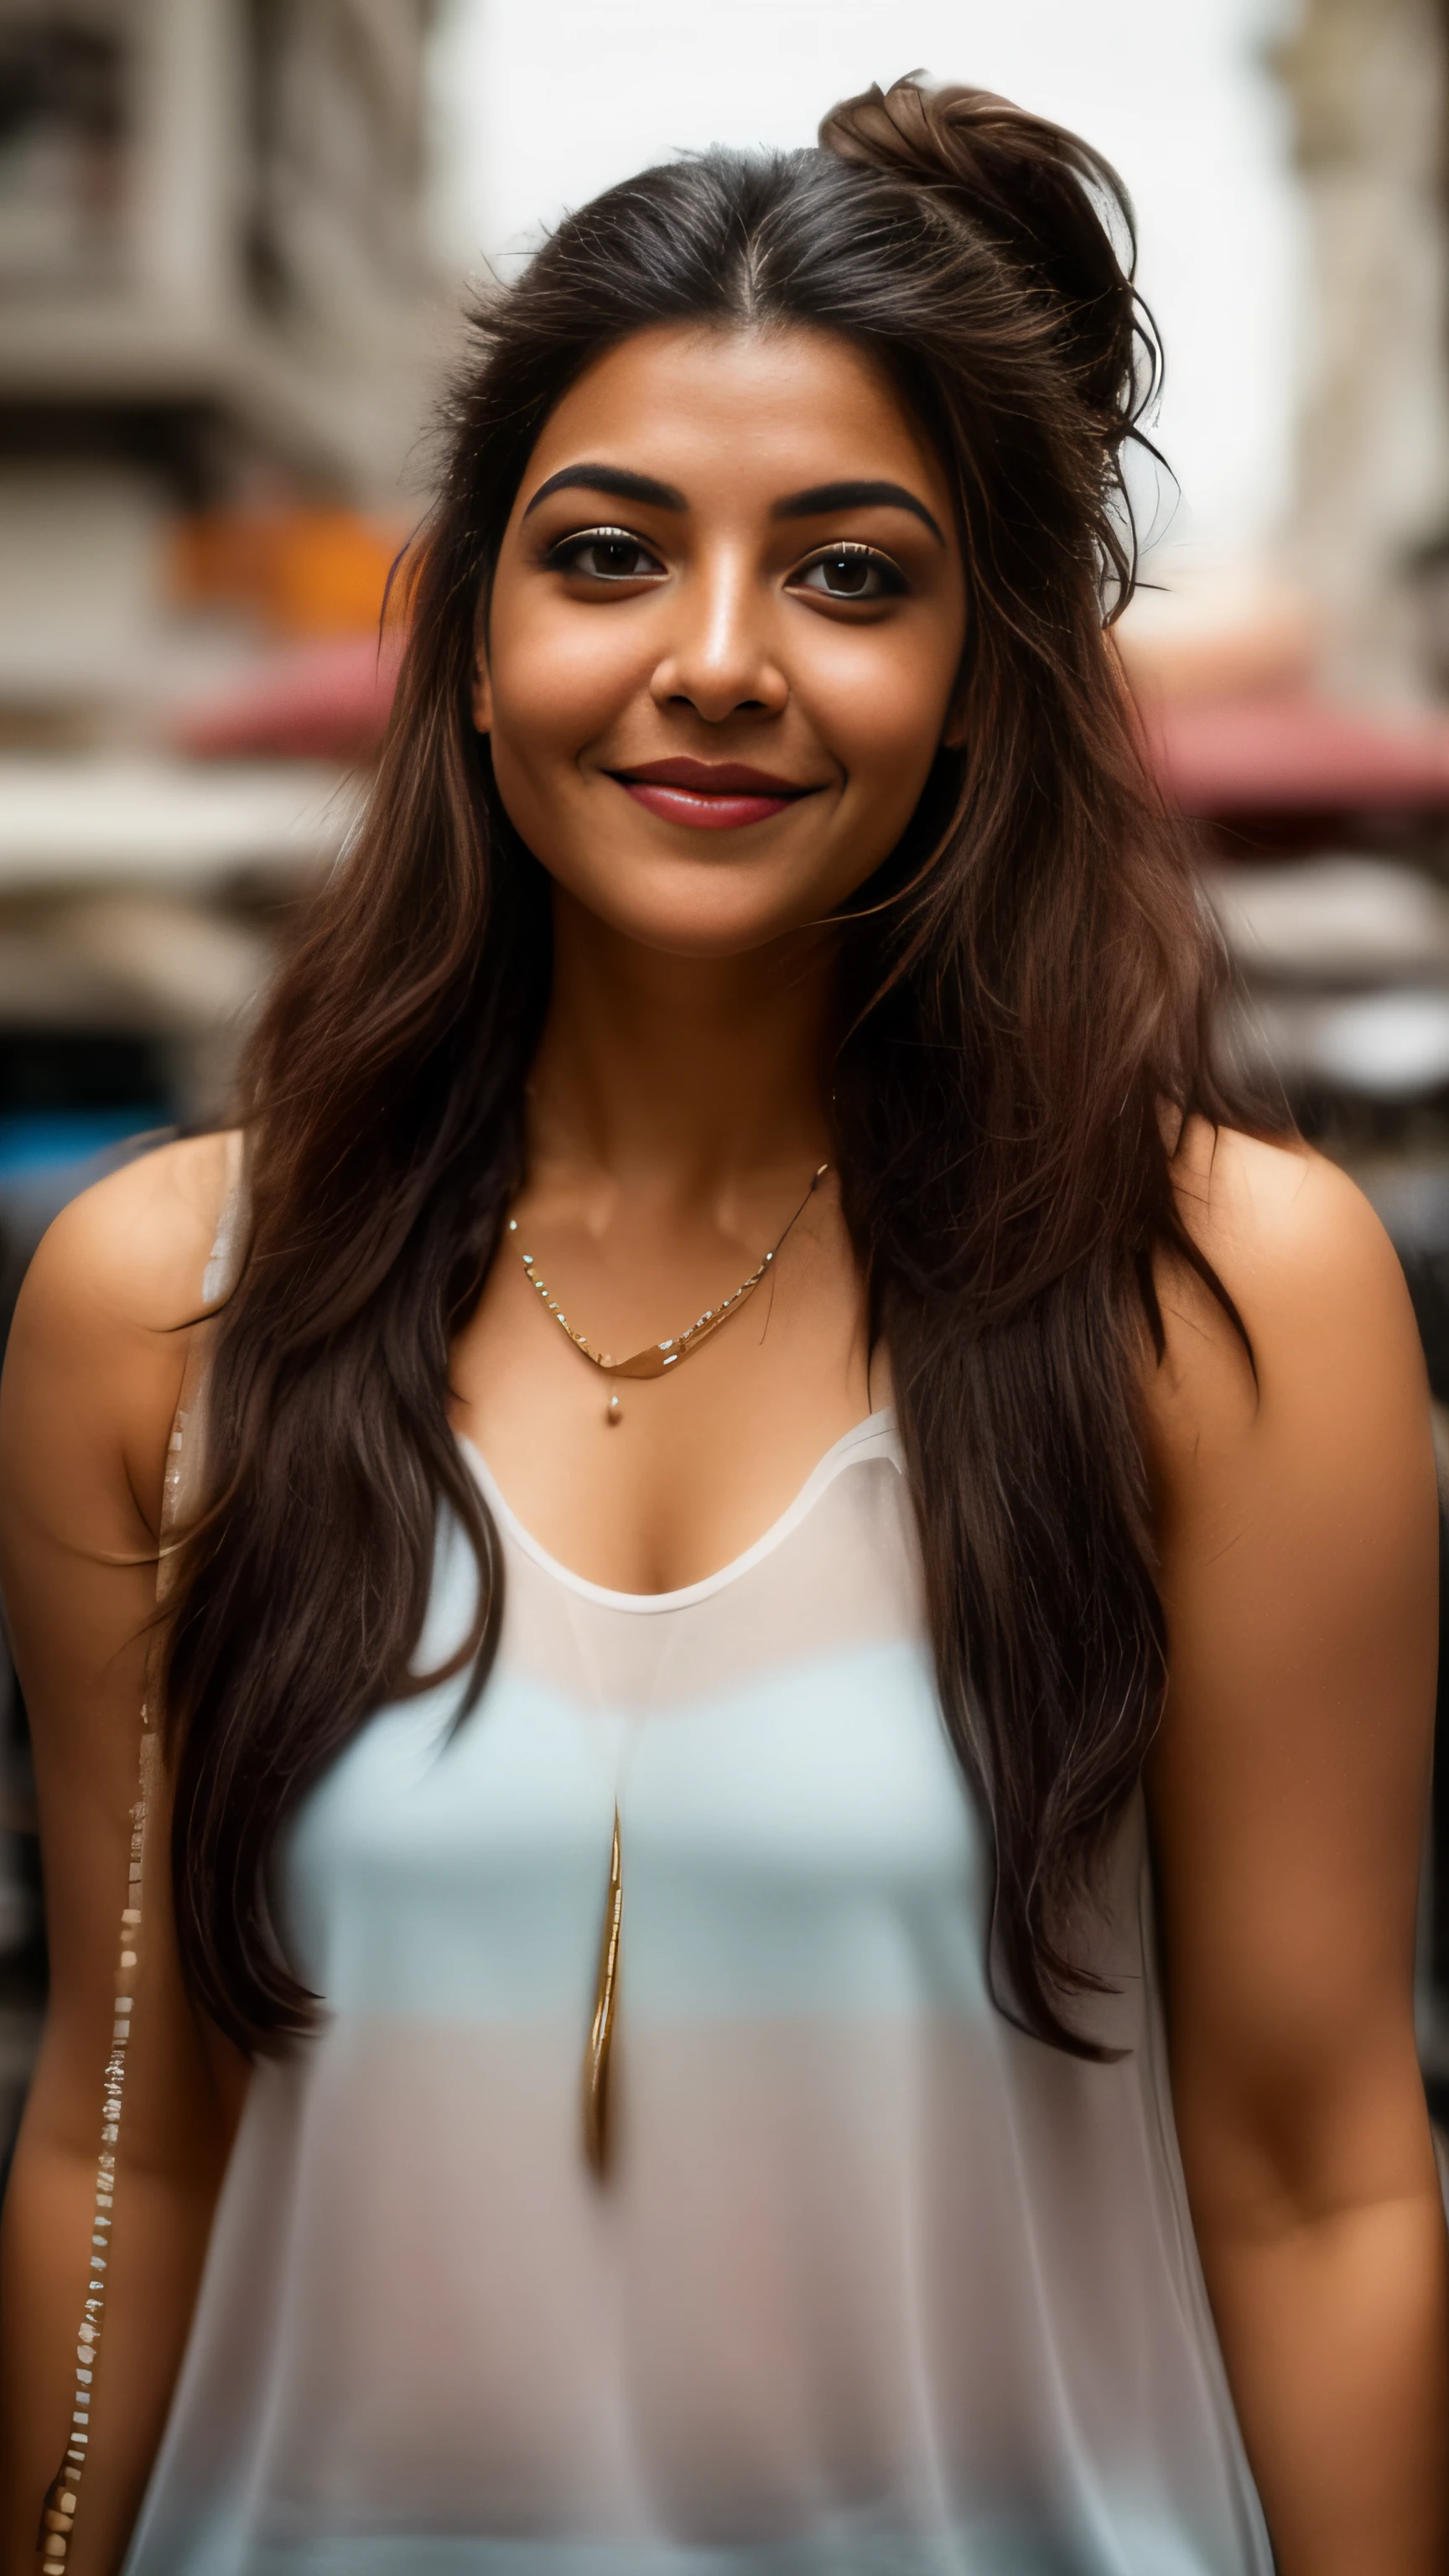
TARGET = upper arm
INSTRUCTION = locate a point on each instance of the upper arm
(1298, 1535)
(92, 1377)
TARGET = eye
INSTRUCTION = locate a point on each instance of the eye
(850, 572)
(605, 554)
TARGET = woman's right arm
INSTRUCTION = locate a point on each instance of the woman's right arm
(92, 1378)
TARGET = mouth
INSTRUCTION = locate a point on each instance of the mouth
(707, 795)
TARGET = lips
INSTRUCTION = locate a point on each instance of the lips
(707, 795)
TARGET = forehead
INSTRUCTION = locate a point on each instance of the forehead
(748, 413)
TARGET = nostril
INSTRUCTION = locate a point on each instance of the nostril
(735, 707)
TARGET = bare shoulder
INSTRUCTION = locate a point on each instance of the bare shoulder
(134, 1247)
(1276, 1215)
(1315, 1281)
(104, 1326)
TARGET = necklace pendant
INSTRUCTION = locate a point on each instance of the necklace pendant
(601, 2033)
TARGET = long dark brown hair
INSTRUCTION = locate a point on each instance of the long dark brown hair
(1022, 1023)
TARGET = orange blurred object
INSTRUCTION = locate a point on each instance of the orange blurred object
(306, 573)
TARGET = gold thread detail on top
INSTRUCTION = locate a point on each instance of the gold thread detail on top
(57, 2519)
(657, 1357)
(58, 2513)
(601, 2033)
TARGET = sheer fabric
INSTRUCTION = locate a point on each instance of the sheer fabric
(874, 2286)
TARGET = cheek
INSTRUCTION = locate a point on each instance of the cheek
(883, 715)
(558, 684)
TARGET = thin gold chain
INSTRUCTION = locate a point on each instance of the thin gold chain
(656, 1357)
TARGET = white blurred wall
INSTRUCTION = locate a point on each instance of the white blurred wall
(539, 103)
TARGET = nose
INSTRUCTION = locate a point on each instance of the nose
(720, 658)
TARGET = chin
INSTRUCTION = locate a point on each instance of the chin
(698, 932)
(700, 913)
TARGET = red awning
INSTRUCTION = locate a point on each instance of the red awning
(313, 702)
(1298, 754)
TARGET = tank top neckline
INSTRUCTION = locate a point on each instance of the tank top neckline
(874, 1430)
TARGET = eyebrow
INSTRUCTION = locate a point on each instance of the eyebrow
(822, 498)
(617, 481)
(818, 502)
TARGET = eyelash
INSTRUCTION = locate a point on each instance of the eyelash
(566, 556)
(563, 557)
(892, 580)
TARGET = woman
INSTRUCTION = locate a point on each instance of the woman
(655, 1958)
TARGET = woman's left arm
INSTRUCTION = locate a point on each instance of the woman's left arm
(1298, 1537)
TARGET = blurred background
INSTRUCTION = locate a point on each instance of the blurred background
(235, 239)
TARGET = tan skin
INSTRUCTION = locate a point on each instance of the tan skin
(675, 1115)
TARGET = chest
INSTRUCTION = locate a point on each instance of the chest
(696, 1463)
(796, 1833)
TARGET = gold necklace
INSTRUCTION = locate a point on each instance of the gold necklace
(650, 1362)
(656, 1357)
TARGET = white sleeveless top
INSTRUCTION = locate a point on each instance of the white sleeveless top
(874, 2285)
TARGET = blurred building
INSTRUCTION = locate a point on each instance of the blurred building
(211, 231)
(218, 339)
(1368, 82)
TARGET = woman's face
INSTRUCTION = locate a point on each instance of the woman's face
(724, 635)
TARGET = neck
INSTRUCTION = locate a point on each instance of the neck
(681, 1071)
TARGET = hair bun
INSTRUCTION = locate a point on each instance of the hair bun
(1041, 194)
